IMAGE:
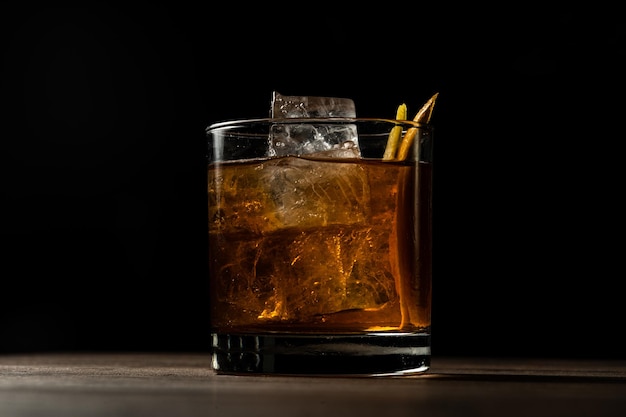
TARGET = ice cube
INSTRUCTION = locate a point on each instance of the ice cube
(305, 139)
(332, 270)
(291, 192)
(300, 274)
(309, 194)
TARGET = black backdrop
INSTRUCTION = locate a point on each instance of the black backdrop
(103, 171)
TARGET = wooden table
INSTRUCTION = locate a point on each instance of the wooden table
(181, 384)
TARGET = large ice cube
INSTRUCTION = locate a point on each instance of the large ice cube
(330, 270)
(292, 192)
(306, 139)
(307, 194)
(300, 274)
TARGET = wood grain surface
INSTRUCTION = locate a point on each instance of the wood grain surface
(181, 384)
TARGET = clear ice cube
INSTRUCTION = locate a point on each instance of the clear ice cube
(306, 194)
(329, 271)
(294, 275)
(306, 139)
(292, 192)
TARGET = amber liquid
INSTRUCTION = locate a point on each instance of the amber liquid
(320, 246)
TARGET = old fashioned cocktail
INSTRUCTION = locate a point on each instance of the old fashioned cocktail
(321, 262)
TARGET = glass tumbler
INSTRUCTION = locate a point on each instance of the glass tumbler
(320, 246)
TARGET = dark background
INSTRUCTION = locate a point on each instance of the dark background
(103, 173)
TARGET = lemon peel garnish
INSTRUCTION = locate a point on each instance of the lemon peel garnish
(422, 116)
(395, 134)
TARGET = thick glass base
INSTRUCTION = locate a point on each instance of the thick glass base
(372, 354)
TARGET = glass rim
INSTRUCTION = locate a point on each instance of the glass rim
(308, 120)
